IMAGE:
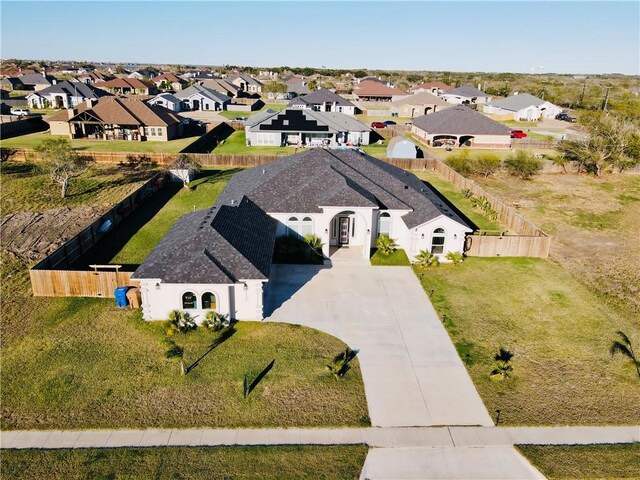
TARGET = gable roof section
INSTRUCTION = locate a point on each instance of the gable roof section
(309, 180)
(219, 85)
(125, 82)
(466, 91)
(517, 102)
(429, 85)
(459, 120)
(376, 89)
(220, 245)
(205, 92)
(169, 97)
(168, 76)
(423, 98)
(296, 120)
(36, 79)
(322, 96)
(74, 89)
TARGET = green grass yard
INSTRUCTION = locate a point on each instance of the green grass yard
(235, 144)
(559, 331)
(395, 259)
(585, 462)
(34, 139)
(186, 463)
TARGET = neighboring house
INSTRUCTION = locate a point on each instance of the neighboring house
(127, 86)
(305, 128)
(196, 97)
(221, 86)
(37, 81)
(169, 79)
(113, 118)
(418, 104)
(93, 77)
(466, 95)
(143, 74)
(523, 107)
(324, 100)
(402, 147)
(220, 258)
(64, 95)
(376, 91)
(168, 101)
(12, 83)
(435, 88)
(247, 83)
(296, 85)
(461, 126)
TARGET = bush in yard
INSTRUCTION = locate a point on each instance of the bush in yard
(180, 322)
(215, 321)
(314, 243)
(485, 164)
(522, 165)
(454, 257)
(502, 368)
(426, 259)
(386, 244)
(461, 162)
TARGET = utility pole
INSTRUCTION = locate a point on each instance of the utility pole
(544, 89)
(584, 86)
(606, 99)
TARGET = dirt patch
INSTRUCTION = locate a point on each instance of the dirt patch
(31, 236)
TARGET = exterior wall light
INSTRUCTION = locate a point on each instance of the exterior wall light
(158, 286)
(246, 287)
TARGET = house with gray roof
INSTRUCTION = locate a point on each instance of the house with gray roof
(220, 258)
(305, 128)
(460, 126)
(197, 97)
(247, 83)
(167, 100)
(522, 107)
(65, 95)
(323, 100)
(37, 81)
(466, 95)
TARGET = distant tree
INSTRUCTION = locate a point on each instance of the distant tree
(120, 69)
(360, 74)
(275, 88)
(312, 85)
(62, 162)
(183, 165)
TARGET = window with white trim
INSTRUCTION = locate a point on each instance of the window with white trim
(293, 227)
(437, 241)
(384, 224)
(209, 301)
(306, 226)
(189, 300)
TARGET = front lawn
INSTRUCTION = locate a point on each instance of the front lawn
(585, 462)
(559, 331)
(34, 139)
(164, 463)
(235, 144)
(396, 259)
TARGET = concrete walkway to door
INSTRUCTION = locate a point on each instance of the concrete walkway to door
(412, 373)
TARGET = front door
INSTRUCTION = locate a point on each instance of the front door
(343, 237)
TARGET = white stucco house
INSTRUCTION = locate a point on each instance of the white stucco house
(522, 107)
(167, 100)
(220, 258)
(197, 97)
(305, 128)
(323, 100)
(466, 94)
(64, 95)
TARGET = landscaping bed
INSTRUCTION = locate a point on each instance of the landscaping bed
(398, 258)
(158, 463)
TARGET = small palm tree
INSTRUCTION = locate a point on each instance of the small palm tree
(176, 351)
(502, 368)
(386, 244)
(215, 321)
(314, 243)
(426, 259)
(625, 348)
(454, 257)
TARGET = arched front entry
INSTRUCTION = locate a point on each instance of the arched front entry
(444, 140)
(466, 140)
(347, 229)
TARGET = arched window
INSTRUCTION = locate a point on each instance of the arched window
(293, 227)
(209, 301)
(384, 224)
(189, 300)
(437, 241)
(306, 226)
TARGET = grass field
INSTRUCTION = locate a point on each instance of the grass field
(27, 186)
(591, 462)
(559, 331)
(397, 258)
(236, 145)
(217, 463)
(34, 139)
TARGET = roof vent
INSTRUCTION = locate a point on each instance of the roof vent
(406, 187)
(232, 202)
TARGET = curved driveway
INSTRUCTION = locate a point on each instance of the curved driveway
(412, 373)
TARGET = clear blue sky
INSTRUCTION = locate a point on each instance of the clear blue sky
(564, 37)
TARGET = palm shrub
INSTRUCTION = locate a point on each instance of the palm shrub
(314, 243)
(454, 257)
(180, 322)
(215, 321)
(522, 165)
(339, 366)
(624, 347)
(502, 368)
(426, 259)
(386, 244)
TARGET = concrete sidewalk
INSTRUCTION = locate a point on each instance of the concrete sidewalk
(397, 437)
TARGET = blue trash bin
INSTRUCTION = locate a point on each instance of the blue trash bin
(121, 296)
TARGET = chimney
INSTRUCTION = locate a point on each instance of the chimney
(71, 112)
(90, 102)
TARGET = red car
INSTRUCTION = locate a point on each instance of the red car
(378, 125)
(518, 134)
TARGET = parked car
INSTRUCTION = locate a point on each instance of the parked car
(240, 119)
(518, 134)
(565, 117)
(409, 123)
(378, 125)
(21, 112)
(389, 123)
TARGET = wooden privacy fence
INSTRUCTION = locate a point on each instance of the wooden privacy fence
(74, 283)
(507, 246)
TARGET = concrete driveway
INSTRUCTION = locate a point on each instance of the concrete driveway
(411, 371)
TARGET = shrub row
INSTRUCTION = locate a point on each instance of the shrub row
(519, 164)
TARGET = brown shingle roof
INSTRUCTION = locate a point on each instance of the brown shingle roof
(168, 76)
(373, 88)
(124, 82)
(429, 85)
